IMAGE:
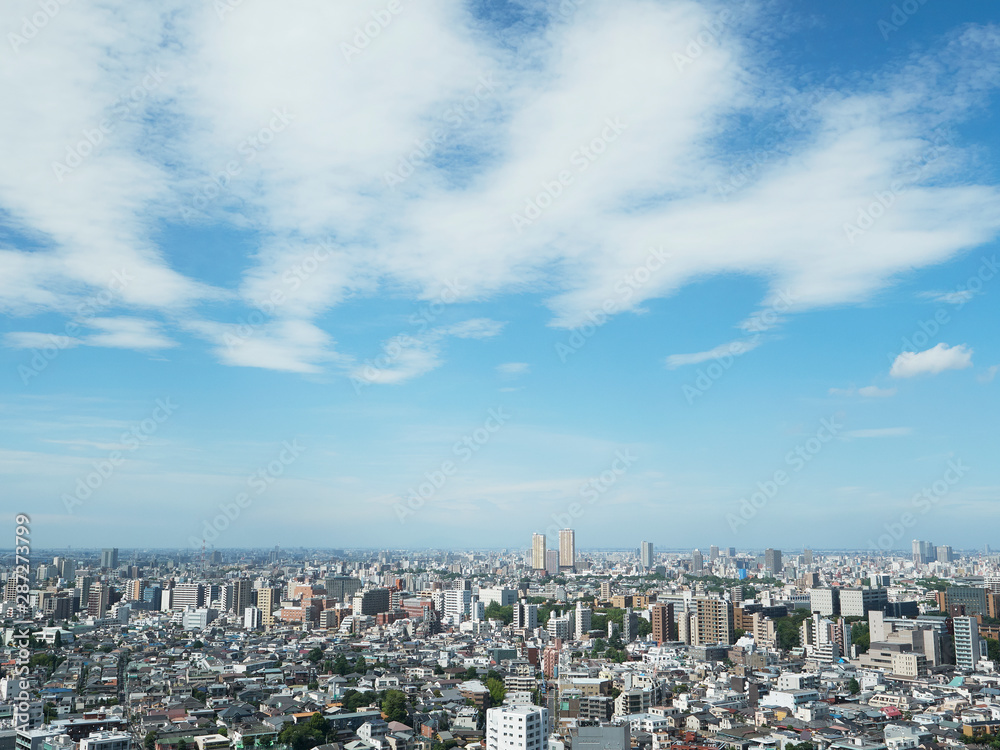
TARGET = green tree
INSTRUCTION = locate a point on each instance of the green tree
(327, 666)
(57, 642)
(306, 735)
(471, 674)
(224, 731)
(853, 686)
(182, 744)
(312, 685)
(993, 646)
(361, 666)
(495, 612)
(497, 690)
(438, 669)
(860, 636)
(197, 645)
(149, 741)
(340, 665)
(394, 706)
(315, 655)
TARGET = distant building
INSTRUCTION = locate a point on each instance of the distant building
(772, 561)
(538, 550)
(646, 555)
(109, 558)
(567, 550)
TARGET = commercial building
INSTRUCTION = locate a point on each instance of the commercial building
(826, 601)
(858, 602)
(109, 558)
(772, 561)
(646, 555)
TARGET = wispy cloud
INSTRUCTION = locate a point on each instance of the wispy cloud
(732, 349)
(880, 432)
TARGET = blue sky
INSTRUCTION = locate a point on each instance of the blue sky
(443, 274)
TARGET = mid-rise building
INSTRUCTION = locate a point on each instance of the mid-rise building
(517, 728)
(966, 643)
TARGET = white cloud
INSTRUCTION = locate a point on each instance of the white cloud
(873, 391)
(33, 340)
(932, 361)
(655, 183)
(513, 369)
(127, 333)
(732, 349)
(991, 372)
(950, 298)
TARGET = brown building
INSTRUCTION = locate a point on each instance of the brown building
(662, 620)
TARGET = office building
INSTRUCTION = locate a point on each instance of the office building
(630, 625)
(944, 554)
(858, 602)
(187, 595)
(697, 562)
(538, 552)
(772, 561)
(109, 558)
(966, 600)
(342, 588)
(373, 601)
(713, 553)
(646, 555)
(923, 552)
(567, 550)
(826, 601)
(500, 597)
(552, 562)
(456, 604)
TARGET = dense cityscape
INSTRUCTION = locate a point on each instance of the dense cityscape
(536, 649)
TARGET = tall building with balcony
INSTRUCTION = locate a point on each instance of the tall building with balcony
(966, 642)
(538, 552)
(567, 550)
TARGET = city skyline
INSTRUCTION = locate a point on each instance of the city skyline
(735, 275)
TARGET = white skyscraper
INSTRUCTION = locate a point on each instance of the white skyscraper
(646, 555)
